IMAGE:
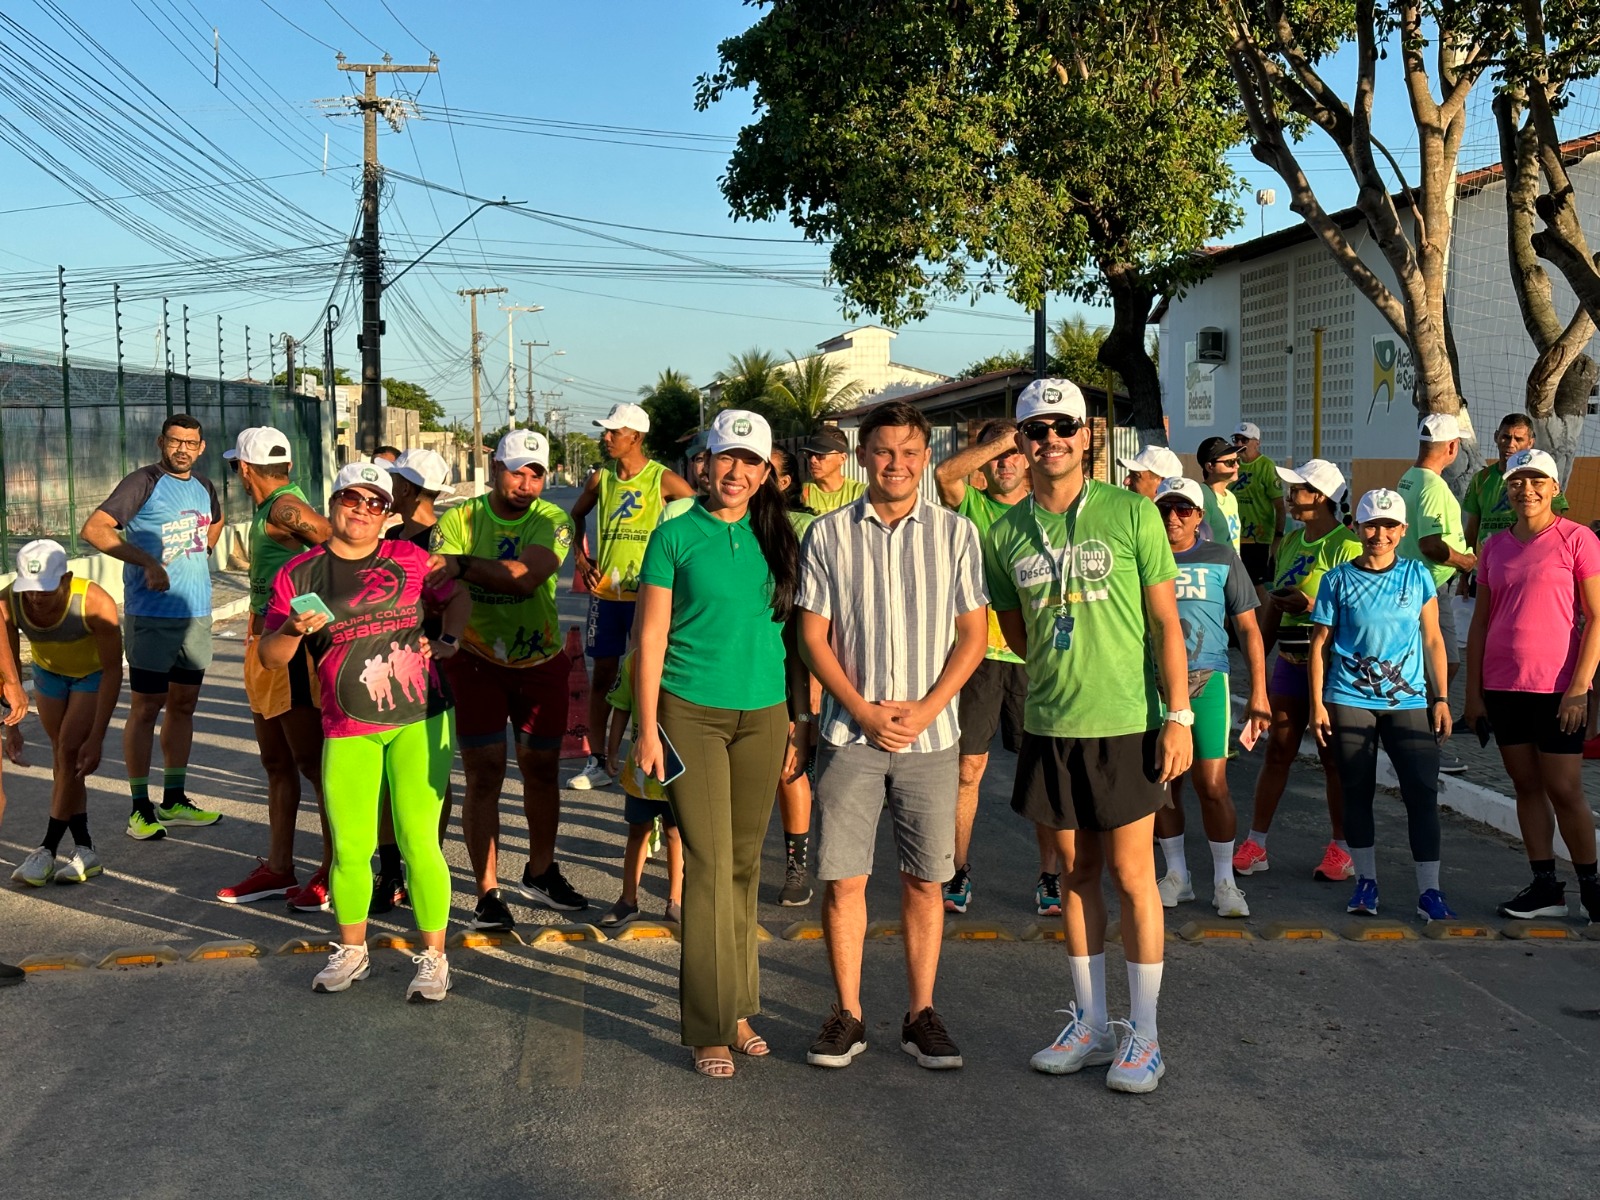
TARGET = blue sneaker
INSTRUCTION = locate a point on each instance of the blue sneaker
(1139, 1065)
(1431, 906)
(958, 892)
(1365, 898)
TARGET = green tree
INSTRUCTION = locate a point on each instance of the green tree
(414, 396)
(673, 404)
(1017, 146)
(1005, 360)
(806, 392)
(749, 381)
(341, 377)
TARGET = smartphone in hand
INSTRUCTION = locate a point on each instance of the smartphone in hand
(311, 602)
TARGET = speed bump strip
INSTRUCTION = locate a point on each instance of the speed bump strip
(483, 939)
(1527, 931)
(961, 931)
(1377, 931)
(1215, 930)
(559, 934)
(763, 934)
(56, 962)
(307, 946)
(1449, 931)
(1044, 933)
(1296, 931)
(641, 931)
(885, 929)
(228, 948)
(395, 941)
(1591, 932)
(140, 956)
(803, 931)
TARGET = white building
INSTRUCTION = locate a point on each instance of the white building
(863, 352)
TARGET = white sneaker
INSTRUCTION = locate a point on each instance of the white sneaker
(1139, 1065)
(83, 866)
(38, 869)
(1077, 1046)
(1228, 900)
(1174, 889)
(432, 979)
(594, 775)
(346, 965)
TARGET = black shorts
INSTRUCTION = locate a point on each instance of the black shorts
(1257, 558)
(1530, 719)
(993, 699)
(1089, 784)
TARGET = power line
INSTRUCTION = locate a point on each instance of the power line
(292, 25)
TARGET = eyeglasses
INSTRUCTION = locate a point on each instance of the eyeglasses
(820, 453)
(352, 499)
(184, 443)
(1239, 439)
(1231, 461)
(1062, 427)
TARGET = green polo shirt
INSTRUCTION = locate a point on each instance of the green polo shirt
(724, 650)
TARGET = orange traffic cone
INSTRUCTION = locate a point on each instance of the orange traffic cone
(579, 587)
(576, 742)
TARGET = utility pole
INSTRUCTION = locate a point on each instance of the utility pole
(478, 469)
(511, 311)
(395, 111)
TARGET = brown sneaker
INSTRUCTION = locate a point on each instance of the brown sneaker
(843, 1037)
(927, 1039)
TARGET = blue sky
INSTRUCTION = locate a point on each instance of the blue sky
(621, 312)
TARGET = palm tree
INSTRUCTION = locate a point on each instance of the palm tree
(809, 390)
(673, 404)
(748, 381)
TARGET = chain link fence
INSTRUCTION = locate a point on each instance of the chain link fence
(70, 431)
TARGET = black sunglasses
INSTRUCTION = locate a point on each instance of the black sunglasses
(352, 499)
(1062, 427)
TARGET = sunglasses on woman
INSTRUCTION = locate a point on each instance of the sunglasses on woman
(352, 499)
(1062, 427)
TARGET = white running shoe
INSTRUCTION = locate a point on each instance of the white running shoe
(593, 775)
(1077, 1046)
(83, 866)
(1139, 1065)
(1228, 900)
(38, 869)
(432, 979)
(346, 965)
(1174, 889)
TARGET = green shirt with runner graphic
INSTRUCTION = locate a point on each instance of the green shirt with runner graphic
(1103, 684)
(983, 511)
(1486, 499)
(1257, 486)
(822, 503)
(1431, 509)
(1301, 565)
(627, 512)
(1222, 514)
(515, 631)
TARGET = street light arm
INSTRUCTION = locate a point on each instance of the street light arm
(486, 204)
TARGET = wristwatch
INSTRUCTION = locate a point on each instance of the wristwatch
(449, 639)
(804, 718)
(1181, 716)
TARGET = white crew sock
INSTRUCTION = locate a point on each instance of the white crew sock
(1177, 862)
(1089, 988)
(1259, 838)
(1366, 861)
(1221, 862)
(1144, 989)
(1427, 876)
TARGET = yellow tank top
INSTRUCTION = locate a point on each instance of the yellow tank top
(66, 648)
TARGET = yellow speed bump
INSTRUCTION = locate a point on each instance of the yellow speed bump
(1297, 931)
(1591, 932)
(1215, 930)
(964, 931)
(306, 946)
(803, 931)
(1529, 931)
(1450, 931)
(227, 948)
(561, 934)
(643, 931)
(1377, 931)
(56, 962)
(140, 956)
(409, 943)
(763, 934)
(1044, 933)
(885, 929)
(482, 939)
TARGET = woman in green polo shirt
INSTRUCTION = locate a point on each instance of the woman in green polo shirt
(716, 587)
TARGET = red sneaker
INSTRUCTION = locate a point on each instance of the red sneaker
(313, 897)
(1250, 858)
(1335, 865)
(261, 884)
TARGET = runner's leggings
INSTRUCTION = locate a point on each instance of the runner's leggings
(1405, 734)
(415, 759)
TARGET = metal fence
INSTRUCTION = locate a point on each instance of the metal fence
(70, 431)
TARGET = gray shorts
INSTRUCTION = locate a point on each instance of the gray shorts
(852, 784)
(167, 649)
(1447, 621)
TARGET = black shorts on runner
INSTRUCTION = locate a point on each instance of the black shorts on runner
(993, 698)
(1088, 784)
(1257, 562)
(1531, 719)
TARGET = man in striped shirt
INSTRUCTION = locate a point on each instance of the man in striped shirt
(893, 620)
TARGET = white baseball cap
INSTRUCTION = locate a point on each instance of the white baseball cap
(1248, 429)
(736, 429)
(1380, 504)
(1051, 398)
(1183, 489)
(523, 448)
(1318, 474)
(1156, 459)
(260, 446)
(626, 416)
(374, 476)
(1439, 427)
(40, 566)
(1532, 462)
(425, 468)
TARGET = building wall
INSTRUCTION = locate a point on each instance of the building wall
(864, 354)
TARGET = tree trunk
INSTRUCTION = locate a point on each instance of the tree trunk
(1124, 349)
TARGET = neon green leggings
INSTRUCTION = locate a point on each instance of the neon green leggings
(416, 761)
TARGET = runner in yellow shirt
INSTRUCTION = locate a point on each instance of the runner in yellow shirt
(824, 453)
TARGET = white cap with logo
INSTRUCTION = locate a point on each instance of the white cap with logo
(626, 416)
(1179, 488)
(1051, 398)
(372, 476)
(259, 446)
(1380, 504)
(1158, 460)
(1318, 474)
(736, 429)
(1248, 429)
(1439, 427)
(1532, 462)
(40, 566)
(523, 448)
(425, 468)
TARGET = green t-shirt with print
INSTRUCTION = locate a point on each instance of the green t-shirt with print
(515, 631)
(1431, 508)
(822, 503)
(983, 511)
(1103, 683)
(1257, 486)
(1486, 499)
(1301, 565)
(1222, 514)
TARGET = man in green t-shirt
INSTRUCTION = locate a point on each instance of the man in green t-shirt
(1485, 508)
(1259, 492)
(993, 697)
(1082, 577)
(507, 546)
(828, 489)
(1219, 467)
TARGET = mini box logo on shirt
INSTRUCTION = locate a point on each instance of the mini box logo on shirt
(1093, 561)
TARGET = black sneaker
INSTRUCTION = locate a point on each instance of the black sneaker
(958, 892)
(388, 894)
(796, 885)
(1047, 896)
(1589, 897)
(10, 975)
(552, 890)
(927, 1039)
(843, 1037)
(1546, 896)
(620, 913)
(492, 913)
